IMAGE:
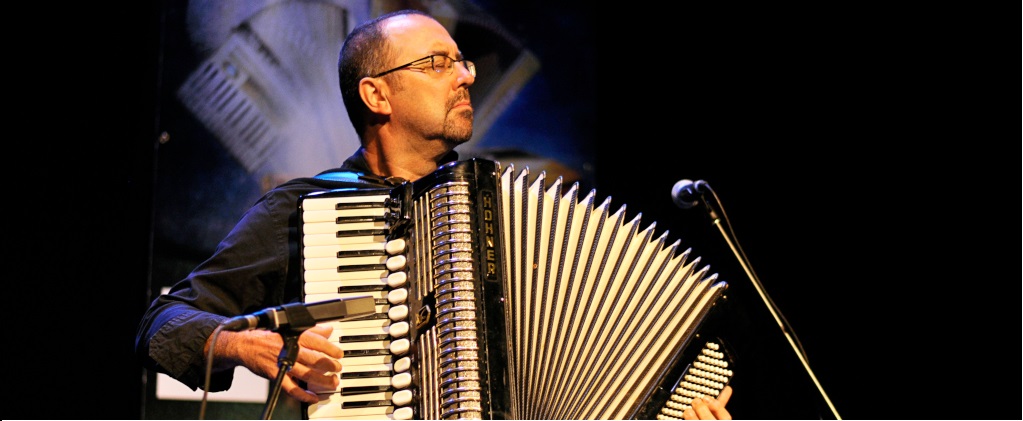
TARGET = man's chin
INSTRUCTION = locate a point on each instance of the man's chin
(461, 131)
(460, 138)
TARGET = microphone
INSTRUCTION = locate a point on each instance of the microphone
(301, 316)
(686, 193)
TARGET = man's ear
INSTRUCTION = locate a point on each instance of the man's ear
(374, 93)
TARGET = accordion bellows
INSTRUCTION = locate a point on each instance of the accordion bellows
(500, 297)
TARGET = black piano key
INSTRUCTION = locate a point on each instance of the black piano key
(365, 374)
(358, 253)
(363, 404)
(375, 316)
(361, 288)
(360, 390)
(357, 219)
(358, 205)
(366, 352)
(364, 338)
(357, 268)
(361, 233)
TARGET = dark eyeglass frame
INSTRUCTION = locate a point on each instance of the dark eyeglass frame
(469, 65)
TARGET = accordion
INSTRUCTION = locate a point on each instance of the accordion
(499, 296)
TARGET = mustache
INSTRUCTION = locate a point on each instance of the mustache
(461, 95)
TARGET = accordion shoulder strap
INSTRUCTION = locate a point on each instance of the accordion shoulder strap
(348, 176)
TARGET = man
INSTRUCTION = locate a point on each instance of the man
(410, 105)
(405, 86)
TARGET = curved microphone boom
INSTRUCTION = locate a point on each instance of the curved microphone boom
(686, 193)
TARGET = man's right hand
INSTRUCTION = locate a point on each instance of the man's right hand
(318, 362)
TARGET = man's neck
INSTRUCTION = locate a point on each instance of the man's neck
(404, 162)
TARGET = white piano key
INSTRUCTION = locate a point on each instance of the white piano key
(326, 287)
(340, 327)
(352, 346)
(350, 332)
(367, 360)
(331, 202)
(331, 227)
(358, 418)
(347, 409)
(338, 405)
(367, 381)
(331, 274)
(335, 262)
(338, 398)
(327, 238)
(352, 383)
(380, 295)
(332, 214)
(331, 250)
(337, 412)
(362, 368)
(362, 260)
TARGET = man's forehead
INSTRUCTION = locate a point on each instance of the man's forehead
(411, 24)
(416, 32)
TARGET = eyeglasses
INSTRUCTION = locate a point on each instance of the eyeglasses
(440, 64)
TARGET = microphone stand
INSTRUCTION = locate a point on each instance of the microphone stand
(775, 313)
(300, 319)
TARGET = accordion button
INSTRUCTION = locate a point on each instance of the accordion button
(402, 413)
(398, 330)
(396, 279)
(397, 296)
(402, 397)
(402, 365)
(398, 313)
(400, 346)
(401, 380)
(395, 263)
(395, 246)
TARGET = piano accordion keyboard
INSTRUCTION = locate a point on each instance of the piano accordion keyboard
(346, 252)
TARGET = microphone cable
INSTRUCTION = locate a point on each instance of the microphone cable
(209, 370)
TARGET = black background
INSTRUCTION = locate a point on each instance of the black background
(860, 154)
